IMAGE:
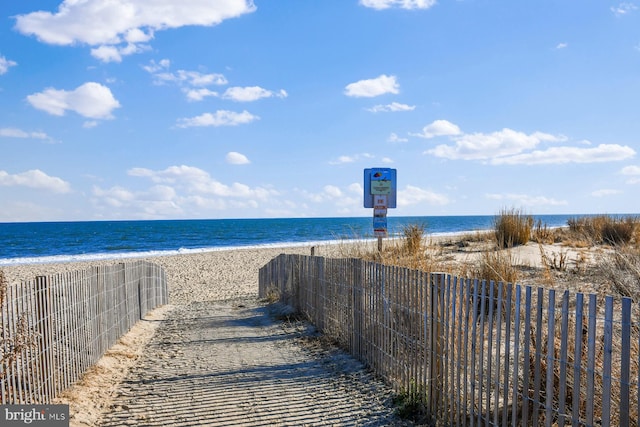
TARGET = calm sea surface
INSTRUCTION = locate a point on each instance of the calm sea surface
(41, 242)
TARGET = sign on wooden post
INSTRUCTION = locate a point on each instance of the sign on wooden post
(380, 194)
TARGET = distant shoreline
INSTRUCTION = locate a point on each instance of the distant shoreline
(27, 243)
(124, 256)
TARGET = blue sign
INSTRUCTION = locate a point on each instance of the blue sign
(380, 182)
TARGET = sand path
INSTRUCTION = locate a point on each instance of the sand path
(230, 363)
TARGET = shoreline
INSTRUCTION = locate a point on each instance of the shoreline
(200, 276)
(231, 273)
(124, 256)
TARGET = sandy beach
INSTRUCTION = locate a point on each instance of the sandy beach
(206, 276)
(233, 273)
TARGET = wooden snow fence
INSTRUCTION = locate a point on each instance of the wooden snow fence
(55, 327)
(474, 353)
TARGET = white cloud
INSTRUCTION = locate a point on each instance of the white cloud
(373, 87)
(630, 170)
(178, 191)
(527, 200)
(35, 179)
(5, 64)
(200, 94)
(438, 128)
(136, 35)
(395, 138)
(412, 195)
(235, 158)
(480, 146)
(251, 93)
(115, 196)
(190, 78)
(156, 202)
(633, 172)
(394, 106)
(332, 191)
(387, 160)
(562, 45)
(355, 188)
(343, 159)
(605, 192)
(219, 118)
(623, 8)
(403, 4)
(193, 83)
(107, 53)
(172, 174)
(19, 133)
(154, 66)
(350, 159)
(510, 147)
(560, 155)
(91, 100)
(123, 24)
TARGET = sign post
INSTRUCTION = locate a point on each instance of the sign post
(380, 194)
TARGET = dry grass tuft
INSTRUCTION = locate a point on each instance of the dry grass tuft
(606, 229)
(621, 267)
(13, 344)
(413, 242)
(512, 228)
(411, 250)
(496, 266)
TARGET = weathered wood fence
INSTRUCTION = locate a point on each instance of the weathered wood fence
(55, 327)
(474, 353)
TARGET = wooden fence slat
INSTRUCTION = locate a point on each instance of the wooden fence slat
(625, 362)
(474, 351)
(490, 358)
(453, 308)
(480, 371)
(551, 329)
(516, 355)
(468, 315)
(507, 364)
(538, 356)
(577, 360)
(459, 343)
(498, 356)
(591, 360)
(564, 336)
(608, 350)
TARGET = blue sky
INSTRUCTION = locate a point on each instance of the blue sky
(154, 109)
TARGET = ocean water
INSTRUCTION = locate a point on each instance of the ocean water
(42, 242)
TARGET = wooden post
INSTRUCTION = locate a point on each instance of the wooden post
(436, 303)
(43, 322)
(380, 245)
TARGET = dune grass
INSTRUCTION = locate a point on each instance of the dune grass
(13, 342)
(607, 229)
(512, 227)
